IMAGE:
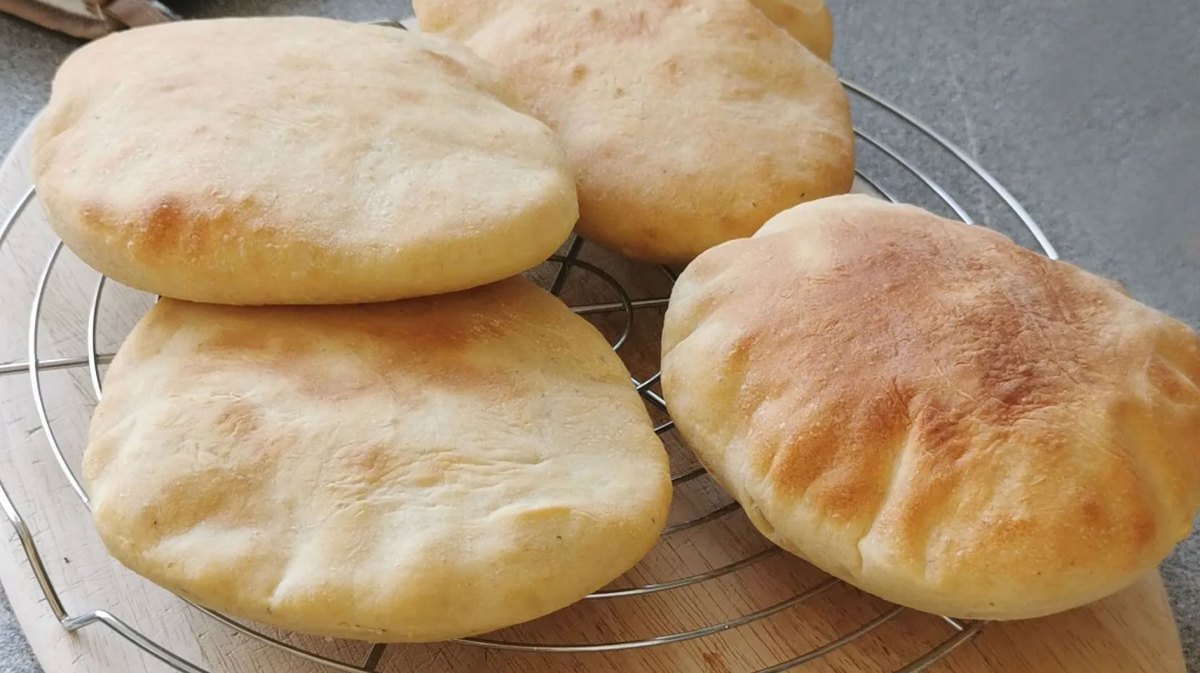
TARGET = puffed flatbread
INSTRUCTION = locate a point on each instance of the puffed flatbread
(406, 471)
(688, 123)
(296, 161)
(935, 414)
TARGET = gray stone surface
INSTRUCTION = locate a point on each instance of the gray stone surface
(1088, 111)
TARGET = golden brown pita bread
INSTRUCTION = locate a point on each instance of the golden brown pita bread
(935, 414)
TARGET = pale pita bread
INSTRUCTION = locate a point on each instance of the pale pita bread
(688, 123)
(296, 161)
(408, 471)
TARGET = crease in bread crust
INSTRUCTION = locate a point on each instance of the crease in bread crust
(893, 480)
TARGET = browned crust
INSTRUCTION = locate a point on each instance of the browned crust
(935, 413)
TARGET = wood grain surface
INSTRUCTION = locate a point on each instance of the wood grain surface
(1131, 632)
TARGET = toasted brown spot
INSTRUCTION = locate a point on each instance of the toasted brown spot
(162, 228)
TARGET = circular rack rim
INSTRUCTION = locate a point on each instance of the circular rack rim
(962, 631)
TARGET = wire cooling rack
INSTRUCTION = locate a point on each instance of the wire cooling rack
(965, 187)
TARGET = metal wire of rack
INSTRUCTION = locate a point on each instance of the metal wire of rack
(92, 360)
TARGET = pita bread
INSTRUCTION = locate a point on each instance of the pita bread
(296, 161)
(407, 471)
(934, 414)
(688, 123)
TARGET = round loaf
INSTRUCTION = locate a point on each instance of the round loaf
(934, 414)
(296, 161)
(407, 471)
(688, 123)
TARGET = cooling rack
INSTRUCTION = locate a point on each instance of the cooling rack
(627, 312)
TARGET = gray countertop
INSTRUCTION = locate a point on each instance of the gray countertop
(1088, 111)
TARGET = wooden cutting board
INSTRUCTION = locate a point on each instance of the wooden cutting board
(1127, 633)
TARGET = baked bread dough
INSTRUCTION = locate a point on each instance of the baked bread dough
(406, 471)
(934, 414)
(296, 161)
(807, 20)
(688, 123)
